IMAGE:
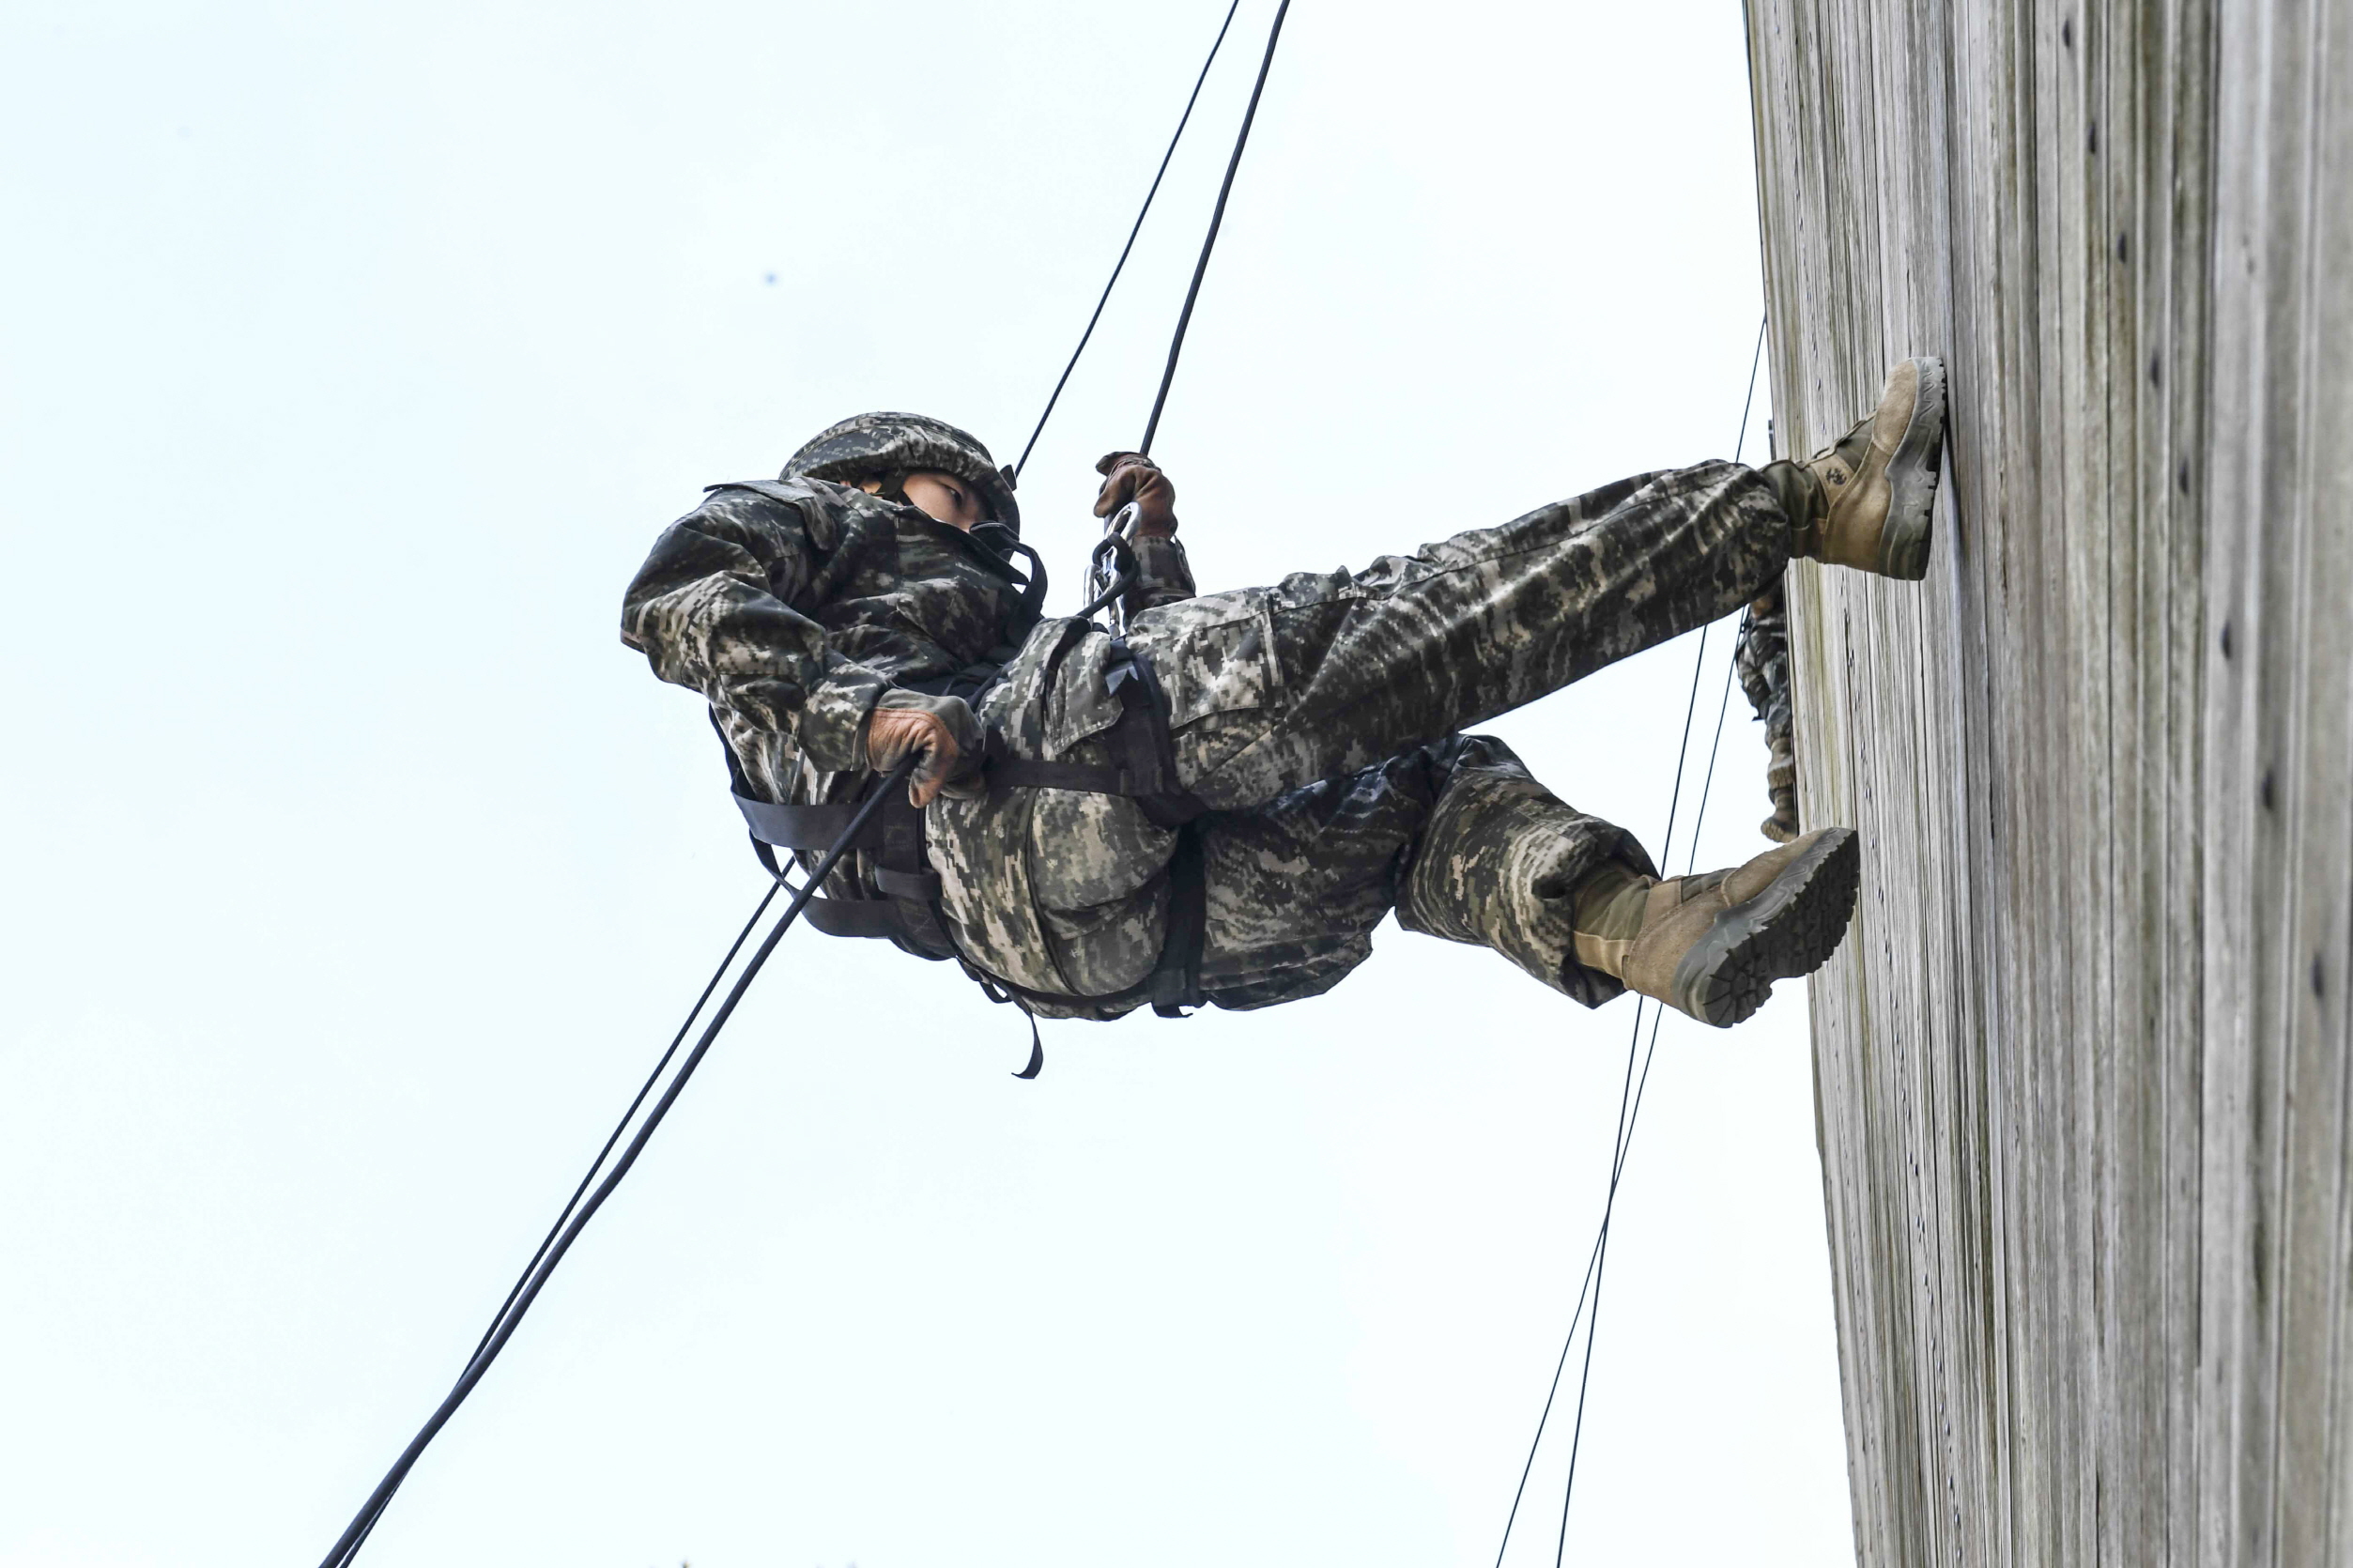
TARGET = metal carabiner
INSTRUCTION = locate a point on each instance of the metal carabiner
(1111, 570)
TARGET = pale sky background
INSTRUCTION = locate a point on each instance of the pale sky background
(352, 356)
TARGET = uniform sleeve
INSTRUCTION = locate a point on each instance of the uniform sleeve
(708, 610)
(1162, 575)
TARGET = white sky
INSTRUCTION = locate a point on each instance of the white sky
(352, 358)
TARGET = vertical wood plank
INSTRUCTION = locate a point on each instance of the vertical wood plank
(2082, 1092)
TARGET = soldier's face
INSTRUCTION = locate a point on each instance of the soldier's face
(947, 497)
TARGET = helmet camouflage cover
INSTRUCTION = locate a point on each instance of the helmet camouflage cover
(877, 445)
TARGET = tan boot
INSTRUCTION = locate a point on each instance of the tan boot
(1711, 945)
(1870, 502)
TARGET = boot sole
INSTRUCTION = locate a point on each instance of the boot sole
(1912, 478)
(1788, 929)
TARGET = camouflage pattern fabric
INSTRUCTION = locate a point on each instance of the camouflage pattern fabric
(1325, 673)
(1163, 575)
(1320, 718)
(1454, 834)
(792, 606)
(871, 446)
(1763, 658)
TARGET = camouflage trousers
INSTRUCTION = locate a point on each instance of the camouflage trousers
(1320, 720)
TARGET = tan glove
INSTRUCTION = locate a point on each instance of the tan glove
(941, 730)
(1130, 476)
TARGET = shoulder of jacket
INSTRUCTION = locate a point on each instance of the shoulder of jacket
(824, 509)
(791, 492)
(813, 497)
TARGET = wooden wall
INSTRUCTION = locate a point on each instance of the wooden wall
(2081, 1068)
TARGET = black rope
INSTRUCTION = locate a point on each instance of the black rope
(623, 1125)
(575, 1214)
(1184, 319)
(1600, 1263)
(1632, 1088)
(1691, 861)
(551, 1253)
(1756, 361)
(1593, 1262)
(1133, 230)
(524, 1279)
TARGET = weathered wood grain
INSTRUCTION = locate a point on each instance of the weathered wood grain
(2081, 1070)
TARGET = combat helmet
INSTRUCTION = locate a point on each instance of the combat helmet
(878, 445)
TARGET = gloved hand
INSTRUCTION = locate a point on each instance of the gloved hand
(1130, 476)
(942, 730)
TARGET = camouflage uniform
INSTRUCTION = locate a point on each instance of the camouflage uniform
(1318, 719)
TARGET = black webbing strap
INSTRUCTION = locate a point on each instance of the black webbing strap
(856, 918)
(782, 826)
(1144, 765)
(1004, 542)
(804, 830)
(1144, 769)
(809, 828)
(910, 890)
(1176, 980)
(903, 876)
(906, 885)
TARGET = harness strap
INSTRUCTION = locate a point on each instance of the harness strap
(894, 834)
(803, 828)
(920, 885)
(998, 537)
(1146, 765)
(1174, 983)
(856, 918)
(1007, 772)
(903, 875)
(1143, 770)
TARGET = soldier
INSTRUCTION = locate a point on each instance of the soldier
(1221, 805)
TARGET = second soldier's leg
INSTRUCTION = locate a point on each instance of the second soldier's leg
(1274, 688)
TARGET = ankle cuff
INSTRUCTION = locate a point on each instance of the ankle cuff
(1802, 501)
(1607, 916)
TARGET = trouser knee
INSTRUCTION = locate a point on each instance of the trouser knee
(1500, 865)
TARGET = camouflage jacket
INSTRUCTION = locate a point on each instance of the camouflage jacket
(794, 604)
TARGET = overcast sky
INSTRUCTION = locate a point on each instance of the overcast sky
(353, 355)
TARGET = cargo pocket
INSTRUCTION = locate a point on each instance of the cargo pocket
(1216, 669)
(1080, 704)
(1097, 869)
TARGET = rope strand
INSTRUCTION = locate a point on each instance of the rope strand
(578, 1210)
(519, 1302)
(1217, 220)
(1636, 1084)
(1134, 229)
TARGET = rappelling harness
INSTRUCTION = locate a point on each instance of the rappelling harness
(891, 842)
